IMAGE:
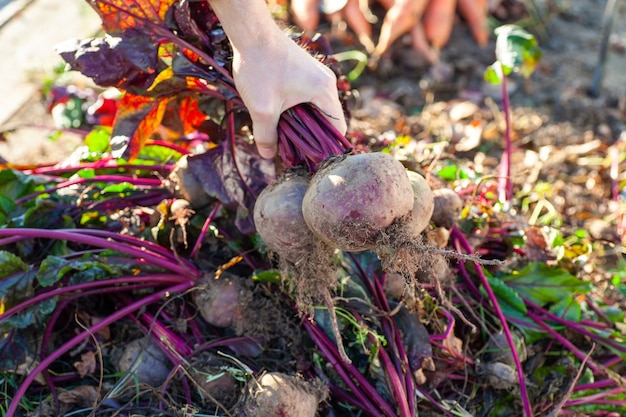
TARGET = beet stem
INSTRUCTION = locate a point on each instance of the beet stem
(46, 362)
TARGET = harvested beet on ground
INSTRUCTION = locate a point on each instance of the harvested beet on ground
(280, 395)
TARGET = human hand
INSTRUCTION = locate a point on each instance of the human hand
(276, 75)
(430, 23)
(306, 15)
(272, 73)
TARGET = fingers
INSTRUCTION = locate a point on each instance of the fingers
(399, 19)
(305, 14)
(421, 45)
(265, 132)
(358, 23)
(438, 21)
(332, 110)
(475, 14)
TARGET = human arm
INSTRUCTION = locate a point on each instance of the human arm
(272, 73)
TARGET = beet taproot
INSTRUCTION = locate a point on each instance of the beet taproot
(219, 299)
(423, 202)
(277, 394)
(145, 361)
(353, 198)
(448, 207)
(278, 216)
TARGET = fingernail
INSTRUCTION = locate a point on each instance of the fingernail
(267, 153)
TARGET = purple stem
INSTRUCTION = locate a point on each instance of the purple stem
(171, 146)
(232, 139)
(580, 355)
(575, 326)
(396, 345)
(460, 239)
(205, 228)
(75, 236)
(170, 344)
(433, 401)
(312, 116)
(116, 179)
(612, 362)
(505, 185)
(306, 131)
(82, 288)
(364, 391)
(109, 164)
(597, 398)
(599, 312)
(124, 311)
(449, 328)
(605, 383)
(394, 380)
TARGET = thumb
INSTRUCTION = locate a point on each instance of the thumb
(332, 110)
(265, 133)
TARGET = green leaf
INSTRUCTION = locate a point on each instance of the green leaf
(15, 184)
(55, 268)
(86, 173)
(516, 50)
(567, 308)
(507, 294)
(614, 313)
(97, 141)
(35, 314)
(542, 284)
(121, 188)
(11, 264)
(270, 275)
(494, 73)
(158, 154)
(452, 173)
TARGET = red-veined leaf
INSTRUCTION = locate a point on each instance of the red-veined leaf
(119, 15)
(137, 119)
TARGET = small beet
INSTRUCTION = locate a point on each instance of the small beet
(448, 206)
(145, 361)
(219, 300)
(423, 202)
(278, 216)
(280, 395)
(352, 199)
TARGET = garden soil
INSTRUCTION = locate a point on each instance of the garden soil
(561, 133)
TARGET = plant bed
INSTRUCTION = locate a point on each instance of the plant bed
(134, 281)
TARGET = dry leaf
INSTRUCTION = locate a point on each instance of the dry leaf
(83, 396)
(86, 365)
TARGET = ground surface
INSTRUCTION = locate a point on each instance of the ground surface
(29, 31)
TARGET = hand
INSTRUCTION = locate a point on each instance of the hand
(272, 73)
(430, 23)
(306, 15)
(277, 75)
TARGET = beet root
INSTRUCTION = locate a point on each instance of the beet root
(448, 207)
(220, 301)
(278, 216)
(276, 394)
(279, 221)
(145, 361)
(353, 198)
(423, 203)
